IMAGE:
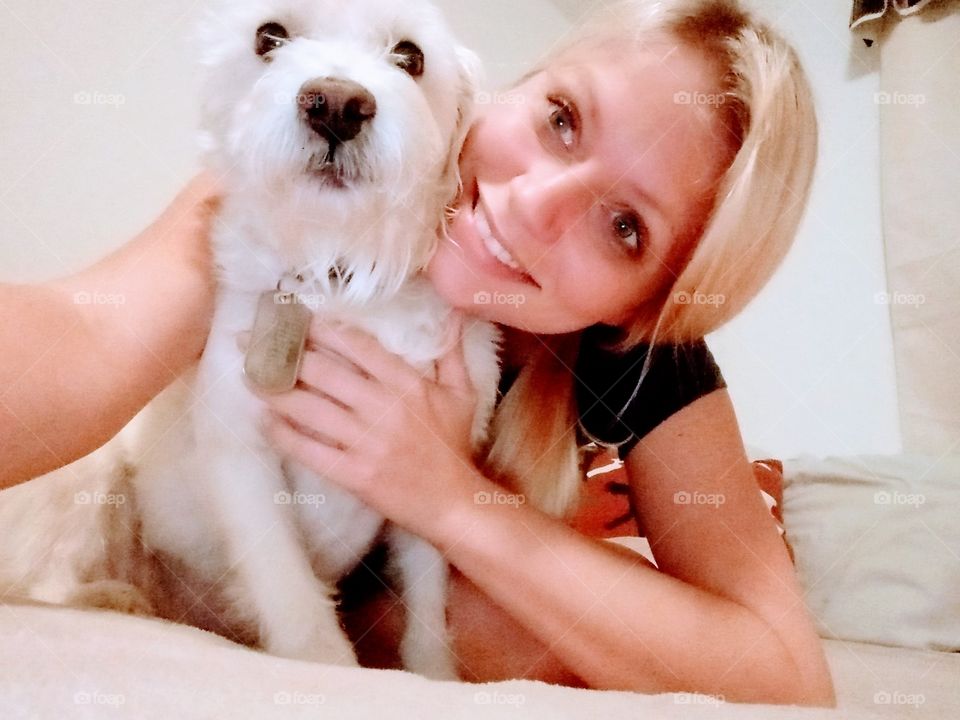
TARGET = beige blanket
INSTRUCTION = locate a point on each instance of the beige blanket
(64, 663)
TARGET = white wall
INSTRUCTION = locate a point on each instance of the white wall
(78, 179)
(510, 36)
(809, 363)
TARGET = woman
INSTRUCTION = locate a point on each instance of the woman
(649, 183)
(645, 188)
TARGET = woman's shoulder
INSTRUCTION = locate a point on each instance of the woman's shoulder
(623, 396)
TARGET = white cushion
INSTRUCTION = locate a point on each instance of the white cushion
(877, 546)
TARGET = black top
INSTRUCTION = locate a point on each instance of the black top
(616, 407)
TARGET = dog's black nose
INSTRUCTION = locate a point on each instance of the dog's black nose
(336, 109)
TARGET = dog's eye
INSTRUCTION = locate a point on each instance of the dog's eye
(270, 36)
(409, 58)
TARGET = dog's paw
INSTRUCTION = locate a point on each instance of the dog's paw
(441, 666)
(333, 655)
(428, 656)
(329, 648)
(112, 595)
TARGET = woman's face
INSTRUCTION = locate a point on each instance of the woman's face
(585, 188)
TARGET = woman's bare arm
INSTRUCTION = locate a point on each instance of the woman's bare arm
(85, 353)
(723, 614)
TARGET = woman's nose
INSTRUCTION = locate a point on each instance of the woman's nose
(548, 200)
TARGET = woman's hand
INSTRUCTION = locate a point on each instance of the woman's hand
(367, 420)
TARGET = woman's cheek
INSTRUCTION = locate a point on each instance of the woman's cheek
(450, 277)
(585, 295)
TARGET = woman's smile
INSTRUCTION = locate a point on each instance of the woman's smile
(478, 227)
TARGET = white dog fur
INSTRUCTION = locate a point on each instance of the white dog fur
(218, 535)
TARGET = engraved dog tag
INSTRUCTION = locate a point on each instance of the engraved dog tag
(277, 342)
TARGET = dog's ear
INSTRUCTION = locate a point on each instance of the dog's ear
(469, 72)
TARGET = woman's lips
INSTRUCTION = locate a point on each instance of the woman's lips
(490, 242)
(493, 255)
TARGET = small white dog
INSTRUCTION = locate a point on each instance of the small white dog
(336, 129)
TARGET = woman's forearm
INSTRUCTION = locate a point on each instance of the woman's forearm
(85, 353)
(609, 615)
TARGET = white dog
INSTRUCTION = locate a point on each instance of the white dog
(336, 129)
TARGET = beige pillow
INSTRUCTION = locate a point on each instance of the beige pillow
(877, 546)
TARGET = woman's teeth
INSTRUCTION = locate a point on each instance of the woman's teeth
(489, 242)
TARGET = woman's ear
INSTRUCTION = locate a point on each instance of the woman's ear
(469, 73)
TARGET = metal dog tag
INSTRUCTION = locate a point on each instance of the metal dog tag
(277, 342)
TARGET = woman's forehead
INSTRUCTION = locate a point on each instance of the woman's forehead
(652, 48)
(660, 69)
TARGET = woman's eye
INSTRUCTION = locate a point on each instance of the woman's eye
(563, 121)
(628, 229)
(270, 36)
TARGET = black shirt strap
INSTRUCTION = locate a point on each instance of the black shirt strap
(618, 404)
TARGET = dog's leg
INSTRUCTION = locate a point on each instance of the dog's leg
(422, 574)
(294, 610)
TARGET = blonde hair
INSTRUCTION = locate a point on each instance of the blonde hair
(757, 207)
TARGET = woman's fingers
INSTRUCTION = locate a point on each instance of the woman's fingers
(319, 457)
(366, 352)
(322, 416)
(335, 377)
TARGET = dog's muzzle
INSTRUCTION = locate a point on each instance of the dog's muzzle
(336, 110)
